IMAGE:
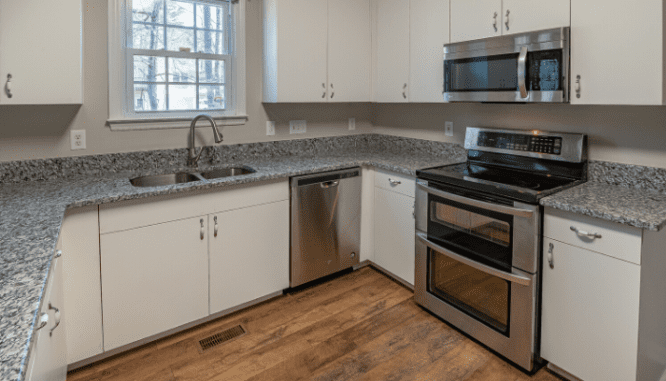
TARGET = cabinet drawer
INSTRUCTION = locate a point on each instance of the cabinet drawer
(133, 214)
(618, 241)
(394, 182)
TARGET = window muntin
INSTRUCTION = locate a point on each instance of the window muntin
(178, 55)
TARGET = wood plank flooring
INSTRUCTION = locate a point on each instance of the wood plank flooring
(360, 326)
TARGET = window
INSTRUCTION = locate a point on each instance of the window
(173, 59)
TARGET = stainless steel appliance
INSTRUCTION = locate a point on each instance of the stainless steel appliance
(325, 224)
(528, 67)
(478, 234)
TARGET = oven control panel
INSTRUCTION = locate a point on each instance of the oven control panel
(520, 142)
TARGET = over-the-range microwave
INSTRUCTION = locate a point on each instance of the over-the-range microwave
(526, 67)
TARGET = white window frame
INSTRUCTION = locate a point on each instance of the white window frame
(122, 116)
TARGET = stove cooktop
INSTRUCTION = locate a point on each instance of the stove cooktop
(515, 184)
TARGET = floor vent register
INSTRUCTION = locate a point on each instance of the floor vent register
(221, 337)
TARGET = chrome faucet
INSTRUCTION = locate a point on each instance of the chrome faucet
(193, 158)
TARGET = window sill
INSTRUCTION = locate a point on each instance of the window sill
(171, 123)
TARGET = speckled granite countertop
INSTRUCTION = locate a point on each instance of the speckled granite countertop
(628, 194)
(31, 212)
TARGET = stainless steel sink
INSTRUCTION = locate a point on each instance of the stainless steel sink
(226, 172)
(168, 179)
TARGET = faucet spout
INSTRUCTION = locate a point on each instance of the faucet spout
(193, 157)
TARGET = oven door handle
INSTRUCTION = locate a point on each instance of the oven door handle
(513, 278)
(479, 204)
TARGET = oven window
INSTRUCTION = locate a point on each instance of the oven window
(482, 296)
(484, 227)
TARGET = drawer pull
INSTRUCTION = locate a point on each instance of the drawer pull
(551, 263)
(394, 182)
(43, 321)
(56, 315)
(216, 228)
(584, 233)
(202, 228)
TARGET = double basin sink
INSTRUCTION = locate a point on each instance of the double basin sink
(188, 177)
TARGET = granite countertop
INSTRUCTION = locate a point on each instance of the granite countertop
(642, 208)
(32, 212)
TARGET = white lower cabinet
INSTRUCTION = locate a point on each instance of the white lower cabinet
(248, 254)
(394, 233)
(48, 356)
(590, 313)
(154, 278)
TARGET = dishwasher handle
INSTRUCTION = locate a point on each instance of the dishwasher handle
(329, 184)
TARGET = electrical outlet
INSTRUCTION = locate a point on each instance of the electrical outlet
(270, 127)
(78, 139)
(448, 128)
(352, 124)
(297, 126)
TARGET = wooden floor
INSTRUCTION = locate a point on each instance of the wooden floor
(361, 326)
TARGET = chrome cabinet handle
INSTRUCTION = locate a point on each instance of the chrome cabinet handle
(56, 315)
(550, 255)
(495, 21)
(332, 91)
(404, 91)
(58, 253)
(202, 228)
(507, 19)
(394, 182)
(578, 89)
(324, 94)
(522, 72)
(215, 229)
(8, 86)
(43, 321)
(584, 233)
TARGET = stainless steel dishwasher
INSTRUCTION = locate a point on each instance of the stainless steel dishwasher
(325, 224)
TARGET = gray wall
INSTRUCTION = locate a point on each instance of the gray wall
(623, 134)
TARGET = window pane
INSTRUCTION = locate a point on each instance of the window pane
(211, 42)
(180, 38)
(211, 71)
(182, 70)
(149, 97)
(211, 17)
(148, 37)
(149, 69)
(211, 97)
(148, 11)
(180, 13)
(182, 97)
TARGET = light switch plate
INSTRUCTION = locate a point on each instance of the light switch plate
(448, 128)
(352, 124)
(270, 127)
(297, 126)
(78, 139)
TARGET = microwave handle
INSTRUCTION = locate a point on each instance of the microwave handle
(522, 72)
(479, 204)
(513, 278)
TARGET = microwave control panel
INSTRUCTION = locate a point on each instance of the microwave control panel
(521, 142)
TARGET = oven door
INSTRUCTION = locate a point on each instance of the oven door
(466, 254)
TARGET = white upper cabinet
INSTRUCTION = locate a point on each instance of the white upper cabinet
(310, 44)
(295, 35)
(349, 51)
(428, 32)
(392, 50)
(40, 45)
(617, 54)
(474, 19)
(521, 16)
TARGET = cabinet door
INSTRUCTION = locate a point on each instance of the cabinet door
(41, 49)
(602, 31)
(48, 357)
(249, 254)
(394, 233)
(349, 51)
(392, 74)
(296, 50)
(428, 32)
(528, 15)
(154, 279)
(590, 308)
(474, 19)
